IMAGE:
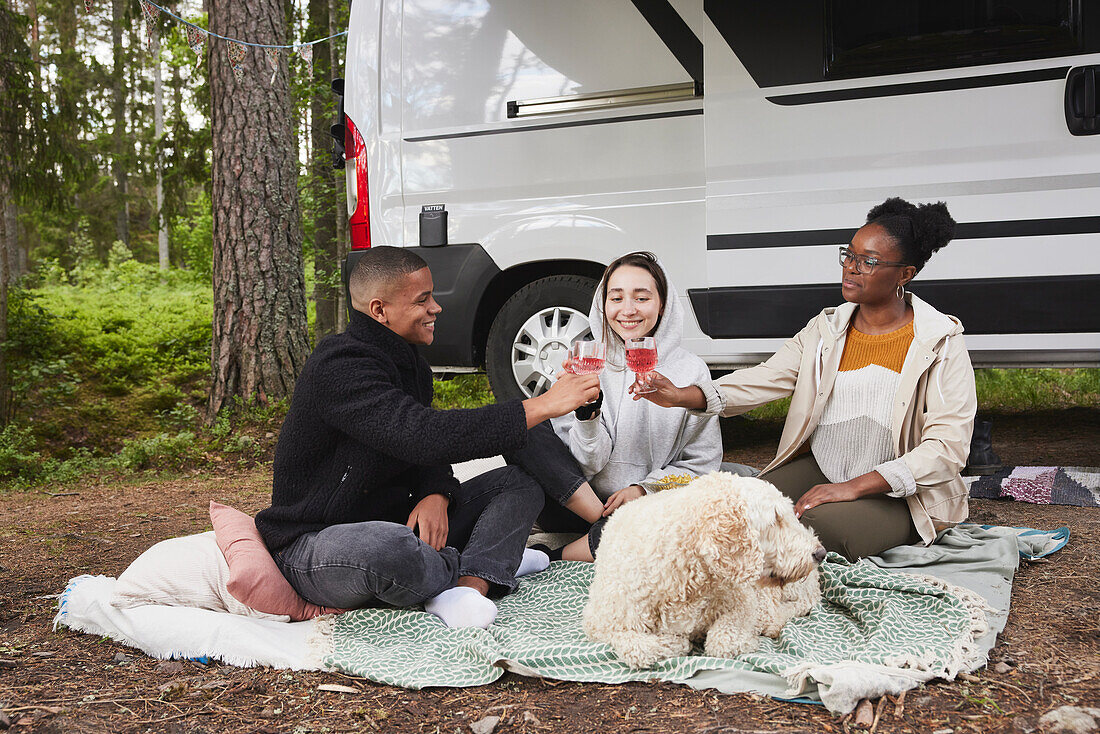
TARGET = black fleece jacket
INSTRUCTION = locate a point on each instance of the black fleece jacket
(361, 441)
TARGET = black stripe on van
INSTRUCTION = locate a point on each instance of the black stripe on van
(554, 125)
(1066, 304)
(936, 85)
(675, 34)
(963, 231)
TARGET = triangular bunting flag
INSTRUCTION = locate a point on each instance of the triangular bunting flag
(306, 54)
(236, 53)
(272, 59)
(196, 37)
(150, 12)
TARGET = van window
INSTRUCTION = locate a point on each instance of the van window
(806, 41)
(870, 37)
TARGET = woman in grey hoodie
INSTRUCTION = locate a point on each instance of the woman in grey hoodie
(619, 449)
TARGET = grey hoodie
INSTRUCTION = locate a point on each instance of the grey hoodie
(635, 441)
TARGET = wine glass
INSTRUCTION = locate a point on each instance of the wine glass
(586, 357)
(641, 358)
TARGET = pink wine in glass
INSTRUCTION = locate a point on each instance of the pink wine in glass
(586, 357)
(587, 366)
(641, 360)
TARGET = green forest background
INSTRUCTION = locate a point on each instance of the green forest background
(108, 349)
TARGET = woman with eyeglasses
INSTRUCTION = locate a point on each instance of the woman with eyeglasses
(882, 396)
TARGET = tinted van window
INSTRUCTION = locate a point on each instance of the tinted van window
(805, 41)
(870, 37)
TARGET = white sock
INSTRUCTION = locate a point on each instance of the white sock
(461, 606)
(533, 562)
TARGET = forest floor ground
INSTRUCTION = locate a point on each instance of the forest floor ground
(62, 681)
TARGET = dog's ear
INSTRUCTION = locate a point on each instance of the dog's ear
(727, 540)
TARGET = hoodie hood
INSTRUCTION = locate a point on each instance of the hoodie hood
(669, 332)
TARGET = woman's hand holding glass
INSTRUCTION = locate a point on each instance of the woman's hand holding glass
(665, 394)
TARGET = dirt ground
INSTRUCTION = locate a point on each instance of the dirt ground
(60, 681)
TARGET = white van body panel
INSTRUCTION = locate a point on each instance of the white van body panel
(524, 192)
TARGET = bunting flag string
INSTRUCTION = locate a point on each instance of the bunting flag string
(306, 54)
(236, 53)
(273, 60)
(150, 12)
(236, 49)
(195, 39)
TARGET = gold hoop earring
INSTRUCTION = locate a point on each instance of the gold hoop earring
(901, 292)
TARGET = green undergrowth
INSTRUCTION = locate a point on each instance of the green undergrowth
(462, 391)
(1006, 391)
(109, 370)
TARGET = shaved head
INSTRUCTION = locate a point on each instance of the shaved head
(379, 272)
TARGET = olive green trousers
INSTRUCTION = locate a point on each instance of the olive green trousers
(863, 527)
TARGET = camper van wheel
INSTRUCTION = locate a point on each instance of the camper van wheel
(533, 331)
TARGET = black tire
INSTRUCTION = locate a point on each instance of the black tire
(567, 292)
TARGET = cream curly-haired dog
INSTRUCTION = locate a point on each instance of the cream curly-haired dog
(723, 557)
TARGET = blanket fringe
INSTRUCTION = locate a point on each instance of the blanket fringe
(319, 642)
(965, 655)
(63, 601)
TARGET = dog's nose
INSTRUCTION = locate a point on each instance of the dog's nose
(819, 554)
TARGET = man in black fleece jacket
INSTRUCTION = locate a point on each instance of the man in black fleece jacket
(365, 509)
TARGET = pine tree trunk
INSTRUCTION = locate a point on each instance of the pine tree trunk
(260, 339)
(119, 160)
(326, 264)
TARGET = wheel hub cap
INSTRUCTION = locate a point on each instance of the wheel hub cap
(541, 344)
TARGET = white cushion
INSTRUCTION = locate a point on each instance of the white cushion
(182, 572)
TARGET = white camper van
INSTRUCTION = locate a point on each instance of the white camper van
(522, 144)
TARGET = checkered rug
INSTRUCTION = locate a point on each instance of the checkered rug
(1078, 486)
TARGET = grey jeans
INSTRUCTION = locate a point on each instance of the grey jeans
(377, 563)
(549, 462)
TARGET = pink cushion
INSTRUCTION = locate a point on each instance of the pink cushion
(254, 579)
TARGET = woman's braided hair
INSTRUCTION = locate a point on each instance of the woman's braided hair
(917, 229)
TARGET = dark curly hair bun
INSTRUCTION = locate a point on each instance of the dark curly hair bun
(917, 229)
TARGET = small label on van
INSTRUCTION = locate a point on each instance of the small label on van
(433, 207)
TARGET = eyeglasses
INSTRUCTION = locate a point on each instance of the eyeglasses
(864, 265)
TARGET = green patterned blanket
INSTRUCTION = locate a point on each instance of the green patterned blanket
(873, 618)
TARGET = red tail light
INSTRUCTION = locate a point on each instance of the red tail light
(359, 219)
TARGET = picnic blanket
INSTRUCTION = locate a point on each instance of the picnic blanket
(1078, 486)
(887, 624)
(868, 615)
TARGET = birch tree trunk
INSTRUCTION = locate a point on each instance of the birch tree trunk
(260, 339)
(158, 133)
(119, 159)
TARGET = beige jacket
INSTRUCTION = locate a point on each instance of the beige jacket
(933, 415)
